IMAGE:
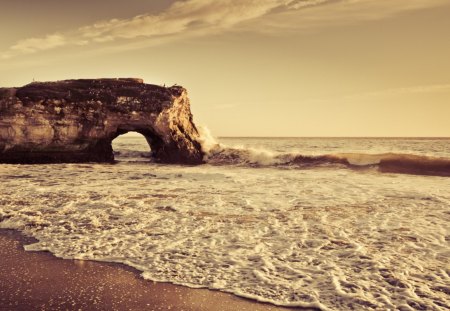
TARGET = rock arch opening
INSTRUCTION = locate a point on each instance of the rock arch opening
(135, 144)
(131, 146)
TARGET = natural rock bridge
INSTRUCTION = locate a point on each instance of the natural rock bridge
(76, 121)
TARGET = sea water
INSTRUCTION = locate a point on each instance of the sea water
(271, 219)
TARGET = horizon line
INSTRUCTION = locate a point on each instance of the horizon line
(427, 137)
(374, 137)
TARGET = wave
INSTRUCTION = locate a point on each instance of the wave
(384, 163)
(219, 154)
(132, 154)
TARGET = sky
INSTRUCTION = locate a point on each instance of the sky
(252, 67)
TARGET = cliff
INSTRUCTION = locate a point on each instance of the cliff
(76, 121)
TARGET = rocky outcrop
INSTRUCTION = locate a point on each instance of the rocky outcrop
(76, 121)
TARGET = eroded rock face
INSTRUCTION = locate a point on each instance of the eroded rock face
(76, 121)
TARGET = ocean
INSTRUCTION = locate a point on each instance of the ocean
(327, 223)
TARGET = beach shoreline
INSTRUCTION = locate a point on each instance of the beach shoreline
(39, 281)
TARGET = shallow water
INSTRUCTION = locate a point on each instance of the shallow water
(321, 236)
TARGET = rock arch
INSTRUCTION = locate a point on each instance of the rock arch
(77, 120)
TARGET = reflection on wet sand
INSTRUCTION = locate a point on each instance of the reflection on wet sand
(38, 281)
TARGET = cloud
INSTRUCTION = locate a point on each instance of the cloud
(32, 45)
(182, 17)
(383, 95)
(224, 106)
(421, 89)
(203, 17)
(36, 44)
(339, 12)
(185, 16)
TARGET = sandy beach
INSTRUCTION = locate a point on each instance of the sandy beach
(40, 281)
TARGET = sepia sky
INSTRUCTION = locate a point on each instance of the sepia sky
(252, 67)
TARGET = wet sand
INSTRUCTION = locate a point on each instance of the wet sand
(40, 281)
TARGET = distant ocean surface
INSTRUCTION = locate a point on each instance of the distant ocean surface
(328, 223)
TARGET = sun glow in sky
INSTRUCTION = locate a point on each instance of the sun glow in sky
(252, 67)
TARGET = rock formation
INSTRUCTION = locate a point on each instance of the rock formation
(76, 121)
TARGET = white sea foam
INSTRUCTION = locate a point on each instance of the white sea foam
(334, 239)
(207, 140)
(219, 153)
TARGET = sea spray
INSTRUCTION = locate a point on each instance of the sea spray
(207, 141)
(218, 153)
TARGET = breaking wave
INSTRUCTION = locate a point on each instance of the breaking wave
(220, 154)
